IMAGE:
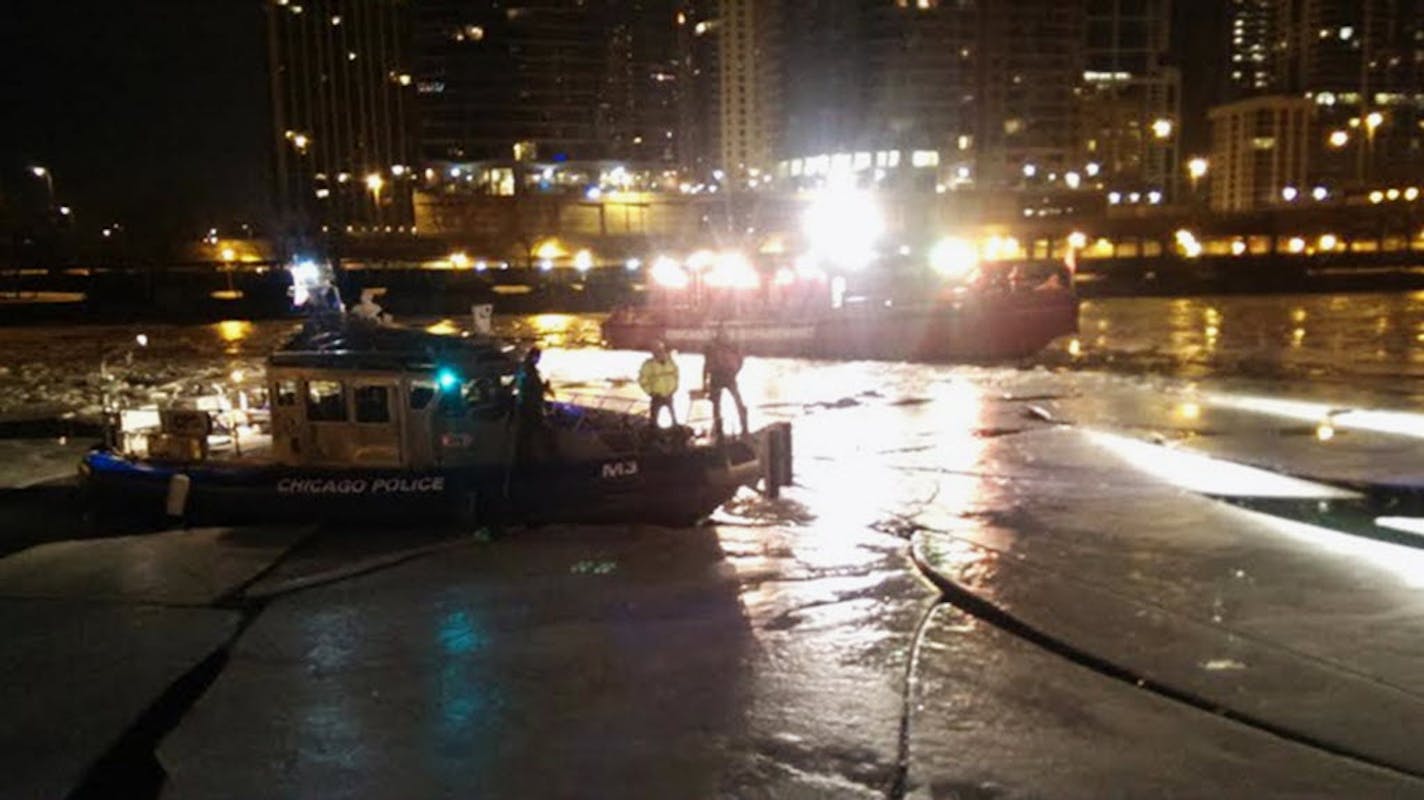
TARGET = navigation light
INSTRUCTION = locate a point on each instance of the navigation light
(447, 379)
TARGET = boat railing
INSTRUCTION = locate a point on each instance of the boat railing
(623, 420)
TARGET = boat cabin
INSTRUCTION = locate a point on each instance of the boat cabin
(358, 394)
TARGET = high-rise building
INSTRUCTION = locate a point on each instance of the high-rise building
(1031, 63)
(642, 80)
(1260, 152)
(1259, 34)
(825, 54)
(1131, 96)
(491, 75)
(1361, 63)
(921, 73)
(699, 87)
(987, 92)
(750, 85)
(341, 96)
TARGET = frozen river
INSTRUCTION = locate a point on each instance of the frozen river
(1346, 348)
(1174, 557)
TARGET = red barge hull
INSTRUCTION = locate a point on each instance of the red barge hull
(973, 328)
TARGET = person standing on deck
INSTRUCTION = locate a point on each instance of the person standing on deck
(530, 390)
(659, 378)
(719, 373)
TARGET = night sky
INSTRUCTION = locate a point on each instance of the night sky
(152, 113)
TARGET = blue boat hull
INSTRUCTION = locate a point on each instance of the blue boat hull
(656, 488)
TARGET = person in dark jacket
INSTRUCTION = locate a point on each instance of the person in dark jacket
(530, 389)
(719, 373)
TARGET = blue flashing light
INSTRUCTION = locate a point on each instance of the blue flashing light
(447, 379)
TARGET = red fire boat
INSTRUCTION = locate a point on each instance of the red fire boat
(992, 311)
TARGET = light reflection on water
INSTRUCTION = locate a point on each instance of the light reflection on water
(1358, 343)
(1362, 348)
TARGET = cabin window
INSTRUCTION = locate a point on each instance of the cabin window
(326, 401)
(286, 393)
(421, 393)
(372, 404)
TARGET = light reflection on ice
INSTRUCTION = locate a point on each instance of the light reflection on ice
(1407, 563)
(1211, 476)
(1399, 423)
(1414, 525)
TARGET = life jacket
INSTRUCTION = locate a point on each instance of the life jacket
(658, 378)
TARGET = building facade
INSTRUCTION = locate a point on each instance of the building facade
(1031, 62)
(699, 98)
(750, 86)
(492, 76)
(1258, 33)
(1260, 152)
(1361, 62)
(1132, 97)
(342, 96)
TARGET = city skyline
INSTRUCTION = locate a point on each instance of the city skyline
(159, 115)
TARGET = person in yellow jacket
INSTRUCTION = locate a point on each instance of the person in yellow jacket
(658, 377)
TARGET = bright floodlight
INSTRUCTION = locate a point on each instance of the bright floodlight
(954, 257)
(733, 271)
(667, 273)
(583, 261)
(548, 251)
(701, 260)
(1197, 167)
(374, 182)
(1188, 244)
(842, 226)
(459, 260)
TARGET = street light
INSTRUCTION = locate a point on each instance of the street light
(375, 183)
(48, 177)
(1196, 170)
(1162, 128)
(1339, 139)
(1373, 121)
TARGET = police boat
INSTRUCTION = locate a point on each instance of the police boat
(368, 422)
